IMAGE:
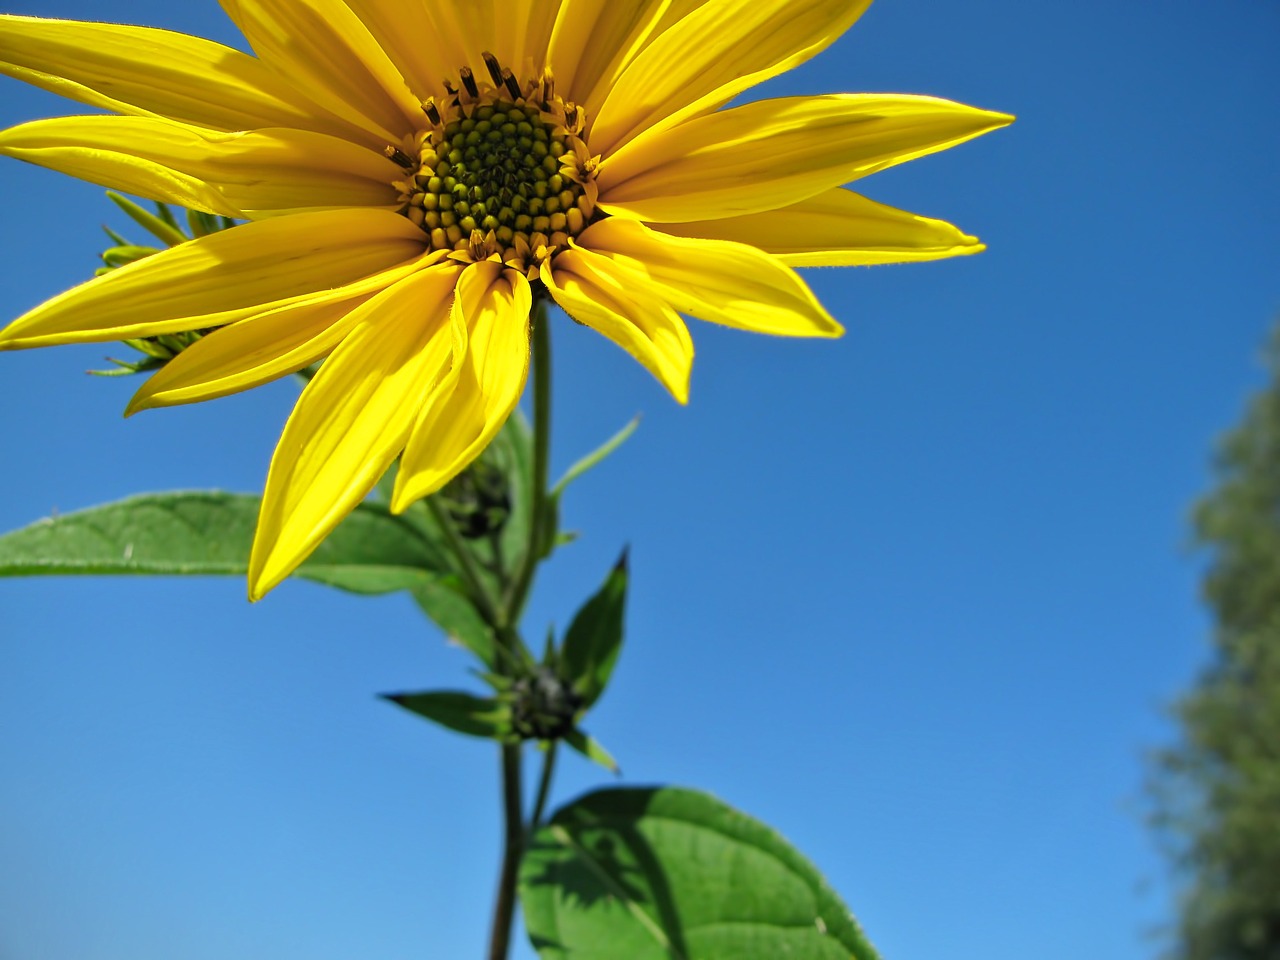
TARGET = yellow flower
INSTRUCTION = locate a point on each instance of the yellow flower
(416, 172)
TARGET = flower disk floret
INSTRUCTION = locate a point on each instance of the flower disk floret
(500, 171)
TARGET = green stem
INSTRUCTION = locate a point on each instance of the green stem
(544, 786)
(513, 848)
(520, 583)
(508, 615)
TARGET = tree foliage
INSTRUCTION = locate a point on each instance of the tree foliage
(1218, 790)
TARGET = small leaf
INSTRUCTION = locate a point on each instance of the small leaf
(458, 711)
(596, 456)
(445, 602)
(669, 874)
(590, 748)
(594, 638)
(202, 533)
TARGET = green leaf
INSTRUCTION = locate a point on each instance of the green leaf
(458, 711)
(446, 603)
(594, 638)
(669, 874)
(590, 748)
(596, 456)
(201, 533)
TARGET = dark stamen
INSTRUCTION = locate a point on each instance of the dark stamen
(495, 69)
(509, 81)
(398, 156)
(469, 82)
(433, 114)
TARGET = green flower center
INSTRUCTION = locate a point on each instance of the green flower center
(497, 173)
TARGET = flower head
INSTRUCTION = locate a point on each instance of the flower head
(415, 173)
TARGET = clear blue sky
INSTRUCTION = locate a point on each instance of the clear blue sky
(916, 597)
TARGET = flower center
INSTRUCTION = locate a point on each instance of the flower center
(499, 170)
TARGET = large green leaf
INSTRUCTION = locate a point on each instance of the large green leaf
(196, 533)
(669, 874)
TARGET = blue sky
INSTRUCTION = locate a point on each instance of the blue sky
(917, 597)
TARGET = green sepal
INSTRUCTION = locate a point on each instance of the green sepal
(594, 638)
(210, 533)
(163, 227)
(202, 224)
(591, 748)
(500, 682)
(165, 212)
(126, 368)
(459, 711)
(127, 253)
(670, 874)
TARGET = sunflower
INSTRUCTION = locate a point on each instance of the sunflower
(416, 175)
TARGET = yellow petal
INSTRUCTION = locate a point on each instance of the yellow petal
(838, 228)
(221, 278)
(773, 153)
(423, 65)
(141, 70)
(352, 420)
(520, 31)
(729, 283)
(595, 40)
(63, 144)
(263, 171)
(323, 48)
(467, 409)
(591, 290)
(712, 55)
(268, 345)
(516, 32)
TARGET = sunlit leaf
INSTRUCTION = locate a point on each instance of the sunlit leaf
(209, 533)
(669, 874)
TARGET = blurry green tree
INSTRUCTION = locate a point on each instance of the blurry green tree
(1217, 792)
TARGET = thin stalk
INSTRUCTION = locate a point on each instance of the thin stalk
(466, 563)
(544, 786)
